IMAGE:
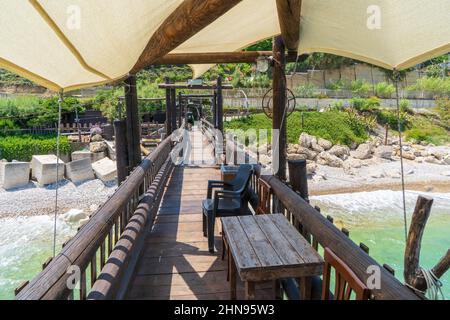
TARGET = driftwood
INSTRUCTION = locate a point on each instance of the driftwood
(413, 275)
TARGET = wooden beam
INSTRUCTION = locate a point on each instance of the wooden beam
(186, 21)
(289, 12)
(213, 57)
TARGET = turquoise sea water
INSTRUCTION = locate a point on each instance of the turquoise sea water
(374, 218)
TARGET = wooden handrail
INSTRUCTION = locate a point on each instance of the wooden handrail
(115, 276)
(298, 211)
(99, 234)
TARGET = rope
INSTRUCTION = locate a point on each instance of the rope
(396, 79)
(433, 290)
(60, 100)
(434, 285)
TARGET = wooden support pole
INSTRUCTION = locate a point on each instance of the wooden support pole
(413, 275)
(219, 104)
(298, 177)
(173, 106)
(190, 17)
(289, 17)
(180, 109)
(214, 109)
(168, 109)
(132, 121)
(279, 104)
(120, 134)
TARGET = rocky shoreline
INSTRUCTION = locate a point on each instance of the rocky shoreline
(370, 166)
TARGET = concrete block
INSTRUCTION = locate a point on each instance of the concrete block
(105, 169)
(78, 155)
(80, 170)
(14, 174)
(96, 156)
(43, 168)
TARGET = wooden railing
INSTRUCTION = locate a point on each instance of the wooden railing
(109, 227)
(320, 231)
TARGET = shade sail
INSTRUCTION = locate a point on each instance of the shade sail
(71, 44)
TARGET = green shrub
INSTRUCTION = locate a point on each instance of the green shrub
(360, 87)
(404, 106)
(443, 109)
(23, 147)
(6, 124)
(436, 86)
(337, 85)
(365, 104)
(390, 118)
(384, 90)
(305, 91)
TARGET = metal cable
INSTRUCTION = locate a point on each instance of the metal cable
(60, 100)
(396, 79)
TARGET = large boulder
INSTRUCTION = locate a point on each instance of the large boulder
(96, 147)
(409, 155)
(364, 151)
(433, 160)
(315, 146)
(327, 159)
(311, 168)
(325, 144)
(74, 215)
(351, 164)
(14, 174)
(309, 154)
(292, 148)
(96, 138)
(305, 140)
(340, 151)
(384, 152)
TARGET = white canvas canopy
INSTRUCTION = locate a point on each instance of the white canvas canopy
(71, 44)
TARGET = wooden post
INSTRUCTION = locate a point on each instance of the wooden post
(168, 110)
(173, 112)
(132, 121)
(214, 109)
(120, 133)
(180, 109)
(219, 105)
(412, 273)
(279, 104)
(298, 177)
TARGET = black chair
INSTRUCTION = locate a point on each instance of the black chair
(230, 200)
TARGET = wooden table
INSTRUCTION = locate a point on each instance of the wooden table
(268, 247)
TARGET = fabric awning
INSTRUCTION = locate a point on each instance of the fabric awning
(72, 44)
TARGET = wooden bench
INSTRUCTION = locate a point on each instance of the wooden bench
(268, 248)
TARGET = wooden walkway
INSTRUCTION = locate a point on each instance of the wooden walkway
(175, 263)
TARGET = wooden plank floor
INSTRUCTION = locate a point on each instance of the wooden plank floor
(176, 263)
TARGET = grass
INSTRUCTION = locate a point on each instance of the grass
(336, 126)
(423, 129)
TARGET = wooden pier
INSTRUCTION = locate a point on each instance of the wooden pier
(175, 263)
